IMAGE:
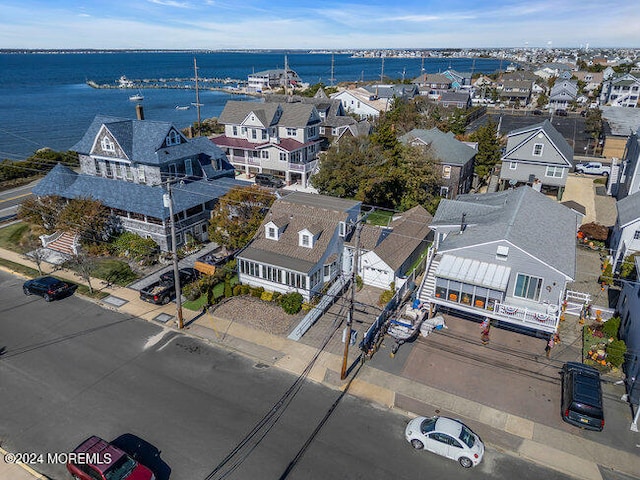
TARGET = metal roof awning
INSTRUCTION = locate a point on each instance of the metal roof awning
(474, 272)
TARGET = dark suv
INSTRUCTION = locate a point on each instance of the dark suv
(50, 288)
(582, 396)
(268, 180)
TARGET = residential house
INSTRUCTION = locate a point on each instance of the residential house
(491, 258)
(391, 92)
(625, 235)
(537, 155)
(273, 79)
(562, 94)
(629, 309)
(455, 99)
(126, 165)
(618, 125)
(334, 119)
(453, 157)
(282, 139)
(362, 102)
(387, 254)
(299, 246)
(625, 172)
(458, 80)
(515, 92)
(433, 85)
(592, 81)
(621, 91)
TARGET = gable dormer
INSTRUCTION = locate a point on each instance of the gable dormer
(106, 144)
(307, 237)
(275, 228)
(173, 138)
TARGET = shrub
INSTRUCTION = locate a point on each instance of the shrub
(607, 274)
(610, 327)
(227, 287)
(256, 291)
(615, 353)
(266, 296)
(628, 268)
(276, 296)
(359, 282)
(133, 246)
(385, 297)
(245, 289)
(191, 291)
(291, 303)
(237, 290)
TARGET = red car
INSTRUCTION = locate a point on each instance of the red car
(96, 458)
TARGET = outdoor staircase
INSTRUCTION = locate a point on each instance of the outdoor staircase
(428, 287)
(65, 243)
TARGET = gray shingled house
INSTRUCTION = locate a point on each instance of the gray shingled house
(454, 157)
(386, 254)
(300, 244)
(537, 155)
(507, 256)
(123, 164)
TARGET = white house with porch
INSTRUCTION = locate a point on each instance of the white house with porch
(507, 256)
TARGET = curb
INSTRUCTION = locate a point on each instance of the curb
(24, 466)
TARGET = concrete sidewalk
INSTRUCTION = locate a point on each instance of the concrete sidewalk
(561, 450)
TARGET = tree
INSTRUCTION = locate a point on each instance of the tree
(238, 215)
(543, 99)
(84, 265)
(88, 218)
(43, 212)
(34, 250)
(489, 148)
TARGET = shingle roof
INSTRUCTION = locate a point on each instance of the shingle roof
(409, 232)
(628, 209)
(526, 218)
(128, 196)
(316, 213)
(444, 146)
(549, 130)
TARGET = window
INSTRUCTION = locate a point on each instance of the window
(556, 172)
(527, 287)
(636, 235)
(271, 232)
(446, 171)
(305, 240)
(537, 149)
(108, 169)
(283, 157)
(265, 154)
(141, 176)
(173, 138)
(513, 165)
(291, 132)
(128, 173)
(188, 167)
(264, 134)
(107, 145)
(444, 191)
(172, 170)
(235, 131)
(254, 134)
(342, 229)
(97, 166)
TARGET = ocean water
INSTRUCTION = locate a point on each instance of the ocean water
(45, 100)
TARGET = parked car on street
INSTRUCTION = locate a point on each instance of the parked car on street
(593, 168)
(97, 459)
(582, 396)
(49, 288)
(561, 113)
(447, 437)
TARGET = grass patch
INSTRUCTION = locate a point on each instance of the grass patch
(114, 271)
(382, 218)
(19, 268)
(201, 301)
(10, 236)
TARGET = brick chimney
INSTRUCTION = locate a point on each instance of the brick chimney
(139, 112)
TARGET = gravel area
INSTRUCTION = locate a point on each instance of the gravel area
(258, 314)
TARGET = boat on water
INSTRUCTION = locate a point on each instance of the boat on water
(138, 97)
(185, 107)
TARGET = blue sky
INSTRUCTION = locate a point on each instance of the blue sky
(291, 24)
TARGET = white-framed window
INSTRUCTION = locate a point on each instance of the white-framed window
(556, 172)
(235, 130)
(537, 149)
(527, 287)
(108, 169)
(513, 165)
(283, 157)
(107, 145)
(291, 132)
(305, 240)
(265, 135)
(446, 171)
(96, 164)
(342, 229)
(272, 232)
(141, 175)
(254, 134)
(636, 235)
(128, 173)
(173, 138)
(265, 154)
(444, 191)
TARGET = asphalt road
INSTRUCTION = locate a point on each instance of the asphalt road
(69, 369)
(10, 200)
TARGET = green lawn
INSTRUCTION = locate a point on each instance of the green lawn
(201, 301)
(380, 217)
(11, 235)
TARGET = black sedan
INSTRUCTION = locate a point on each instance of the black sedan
(49, 288)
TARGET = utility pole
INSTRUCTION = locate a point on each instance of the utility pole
(354, 272)
(197, 104)
(168, 202)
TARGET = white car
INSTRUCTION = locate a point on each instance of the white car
(447, 437)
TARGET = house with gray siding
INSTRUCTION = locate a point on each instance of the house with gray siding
(455, 159)
(539, 156)
(279, 138)
(491, 258)
(299, 246)
(126, 165)
(625, 235)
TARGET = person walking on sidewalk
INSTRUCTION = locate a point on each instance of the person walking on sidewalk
(484, 334)
(547, 349)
